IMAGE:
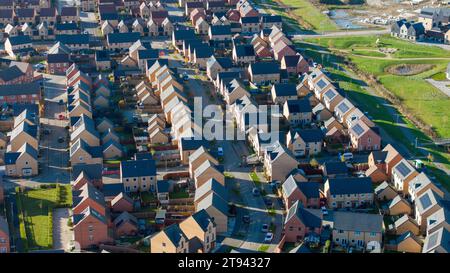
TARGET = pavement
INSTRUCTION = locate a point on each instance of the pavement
(441, 85)
(365, 32)
(62, 234)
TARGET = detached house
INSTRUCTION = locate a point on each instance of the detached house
(307, 193)
(305, 142)
(364, 138)
(300, 222)
(22, 163)
(278, 162)
(295, 64)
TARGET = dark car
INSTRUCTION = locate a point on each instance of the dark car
(268, 202)
(246, 219)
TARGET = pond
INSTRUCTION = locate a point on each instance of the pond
(344, 20)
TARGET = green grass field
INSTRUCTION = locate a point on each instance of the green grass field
(311, 14)
(36, 206)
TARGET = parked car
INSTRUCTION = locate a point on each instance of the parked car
(220, 151)
(269, 237)
(324, 210)
(268, 202)
(265, 228)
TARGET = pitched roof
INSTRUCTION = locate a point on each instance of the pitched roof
(58, 58)
(135, 168)
(440, 238)
(285, 89)
(89, 211)
(260, 68)
(175, 234)
(127, 37)
(211, 185)
(311, 218)
(363, 222)
(403, 169)
(298, 106)
(335, 167)
(309, 135)
(202, 218)
(350, 185)
(213, 200)
(125, 217)
(69, 39)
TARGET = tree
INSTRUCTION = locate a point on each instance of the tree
(121, 103)
(314, 163)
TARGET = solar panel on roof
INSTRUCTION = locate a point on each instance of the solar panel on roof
(321, 84)
(432, 241)
(343, 107)
(358, 129)
(425, 201)
(403, 169)
(330, 94)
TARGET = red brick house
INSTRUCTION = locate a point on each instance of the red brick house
(125, 224)
(88, 196)
(16, 73)
(20, 93)
(306, 192)
(57, 64)
(4, 236)
(301, 222)
(295, 64)
(121, 203)
(90, 228)
(364, 138)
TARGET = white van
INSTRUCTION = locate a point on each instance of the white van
(347, 157)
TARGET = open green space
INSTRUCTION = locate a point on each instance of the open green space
(311, 14)
(419, 96)
(35, 207)
(421, 99)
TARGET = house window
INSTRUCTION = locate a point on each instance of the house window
(26, 162)
(91, 237)
(357, 233)
(373, 234)
(134, 179)
(127, 179)
(164, 244)
(143, 178)
(80, 158)
(91, 228)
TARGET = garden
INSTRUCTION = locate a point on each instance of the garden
(35, 208)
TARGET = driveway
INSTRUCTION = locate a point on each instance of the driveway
(62, 235)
